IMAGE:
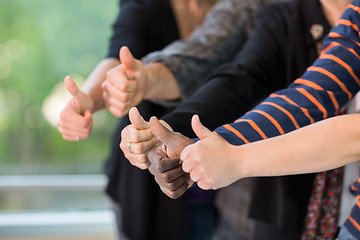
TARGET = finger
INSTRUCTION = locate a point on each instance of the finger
(117, 79)
(176, 193)
(160, 162)
(113, 92)
(137, 120)
(72, 87)
(155, 156)
(185, 153)
(73, 138)
(114, 102)
(138, 160)
(194, 176)
(171, 175)
(142, 147)
(129, 62)
(200, 130)
(73, 131)
(204, 185)
(76, 121)
(167, 164)
(69, 127)
(133, 135)
(78, 95)
(161, 132)
(88, 118)
(173, 185)
(187, 166)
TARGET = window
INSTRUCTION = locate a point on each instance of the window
(44, 177)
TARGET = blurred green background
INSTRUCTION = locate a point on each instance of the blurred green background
(42, 41)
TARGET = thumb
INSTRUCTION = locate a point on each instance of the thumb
(162, 133)
(127, 59)
(137, 120)
(200, 130)
(72, 88)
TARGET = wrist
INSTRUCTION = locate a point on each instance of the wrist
(149, 79)
(243, 161)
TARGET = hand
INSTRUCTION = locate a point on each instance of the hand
(174, 142)
(76, 119)
(125, 84)
(165, 160)
(137, 140)
(168, 173)
(211, 161)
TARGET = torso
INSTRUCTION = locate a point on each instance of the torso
(190, 13)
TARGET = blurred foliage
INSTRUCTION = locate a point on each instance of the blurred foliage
(41, 41)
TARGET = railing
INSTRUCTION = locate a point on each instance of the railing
(55, 220)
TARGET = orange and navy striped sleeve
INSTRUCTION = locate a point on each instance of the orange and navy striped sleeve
(323, 90)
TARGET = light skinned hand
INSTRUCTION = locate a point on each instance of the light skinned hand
(141, 140)
(76, 120)
(211, 161)
(165, 160)
(125, 84)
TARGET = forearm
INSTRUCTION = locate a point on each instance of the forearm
(92, 85)
(319, 147)
(161, 83)
(323, 90)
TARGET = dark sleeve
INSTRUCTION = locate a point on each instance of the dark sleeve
(144, 26)
(321, 92)
(129, 29)
(237, 86)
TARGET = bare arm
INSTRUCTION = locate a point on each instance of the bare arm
(322, 146)
(76, 120)
(161, 83)
(92, 86)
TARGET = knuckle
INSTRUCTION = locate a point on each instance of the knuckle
(174, 194)
(172, 186)
(62, 115)
(143, 159)
(167, 178)
(122, 145)
(133, 134)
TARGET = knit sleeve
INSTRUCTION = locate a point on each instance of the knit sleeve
(216, 41)
(323, 90)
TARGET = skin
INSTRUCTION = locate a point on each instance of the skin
(165, 161)
(322, 146)
(129, 83)
(117, 87)
(333, 10)
(76, 118)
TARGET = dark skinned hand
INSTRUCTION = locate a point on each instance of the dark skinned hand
(166, 165)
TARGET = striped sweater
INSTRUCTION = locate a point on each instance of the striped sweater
(322, 91)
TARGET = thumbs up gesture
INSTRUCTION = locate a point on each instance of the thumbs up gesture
(125, 84)
(165, 160)
(76, 119)
(137, 140)
(211, 162)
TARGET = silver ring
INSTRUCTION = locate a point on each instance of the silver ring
(129, 148)
(77, 138)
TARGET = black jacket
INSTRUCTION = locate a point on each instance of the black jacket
(144, 26)
(278, 52)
